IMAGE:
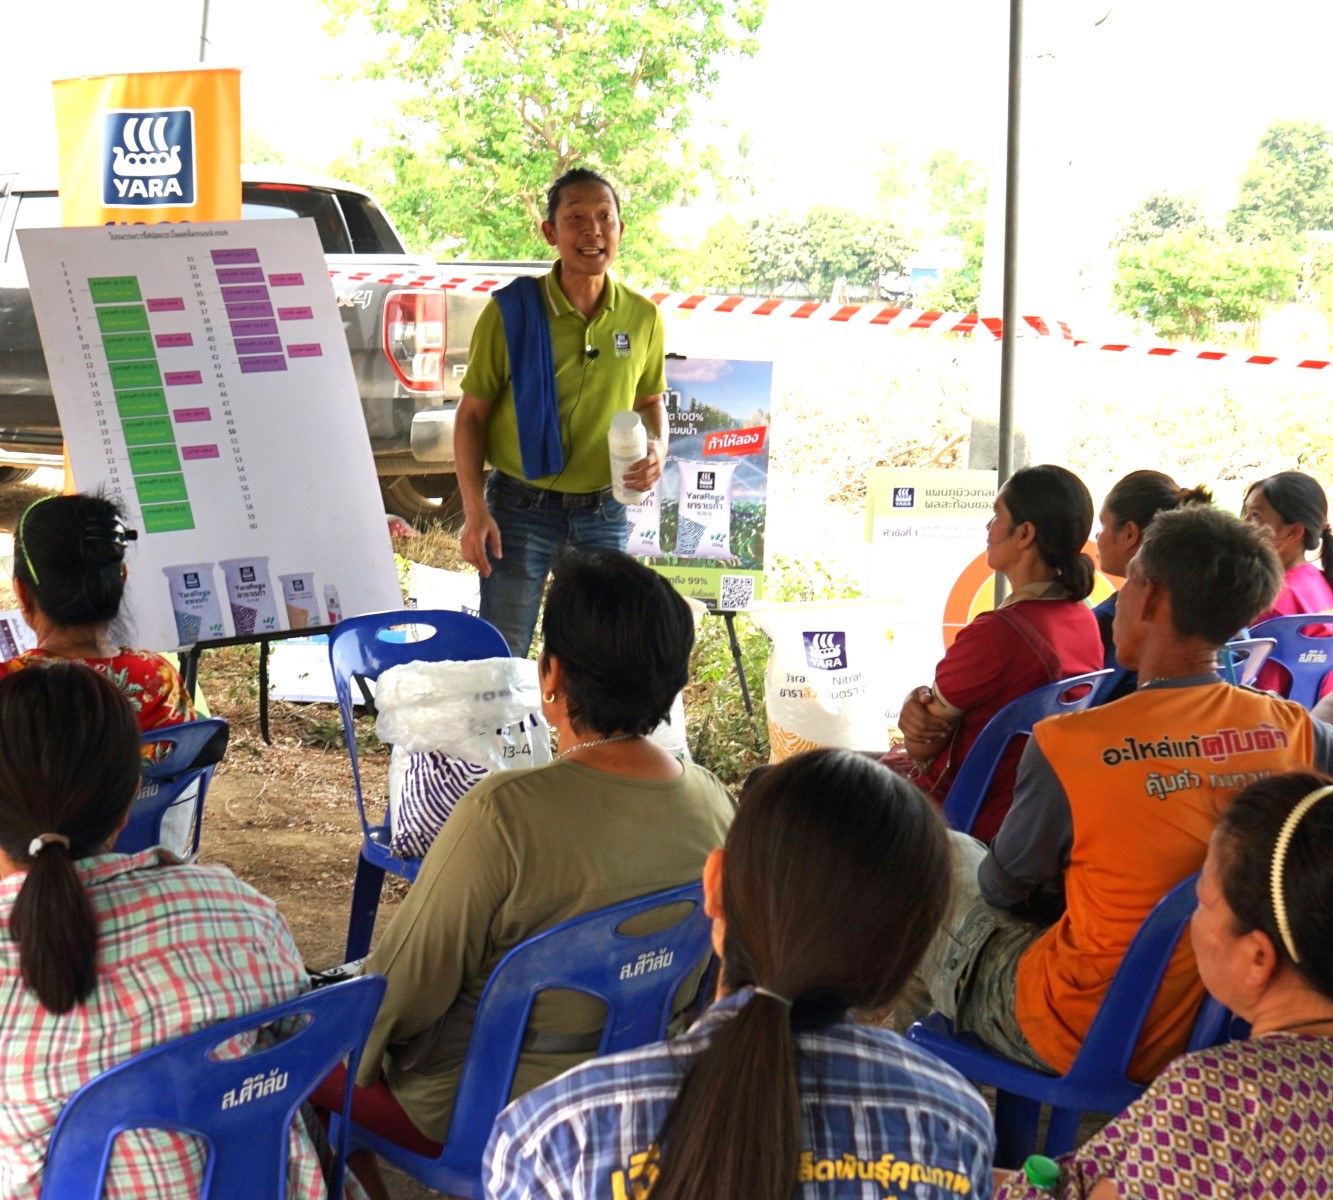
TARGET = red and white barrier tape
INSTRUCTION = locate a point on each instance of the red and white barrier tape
(1181, 352)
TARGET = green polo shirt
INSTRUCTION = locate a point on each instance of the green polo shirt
(627, 333)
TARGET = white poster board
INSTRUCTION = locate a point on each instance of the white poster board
(203, 381)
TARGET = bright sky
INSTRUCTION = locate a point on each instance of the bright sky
(1163, 94)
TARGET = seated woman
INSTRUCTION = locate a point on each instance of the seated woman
(1294, 510)
(832, 881)
(107, 954)
(1251, 1118)
(614, 817)
(69, 576)
(1127, 511)
(1041, 632)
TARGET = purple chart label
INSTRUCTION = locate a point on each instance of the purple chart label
(169, 341)
(175, 378)
(235, 311)
(222, 257)
(191, 453)
(290, 280)
(235, 295)
(263, 362)
(184, 415)
(305, 350)
(253, 328)
(295, 314)
(167, 304)
(260, 345)
(240, 275)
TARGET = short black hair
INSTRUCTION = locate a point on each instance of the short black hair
(571, 178)
(1220, 572)
(623, 637)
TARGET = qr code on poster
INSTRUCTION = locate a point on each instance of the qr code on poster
(737, 591)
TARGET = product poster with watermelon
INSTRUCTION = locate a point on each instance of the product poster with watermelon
(703, 526)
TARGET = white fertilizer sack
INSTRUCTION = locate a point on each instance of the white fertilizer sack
(645, 526)
(704, 514)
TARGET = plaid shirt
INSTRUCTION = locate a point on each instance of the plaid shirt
(881, 1118)
(179, 948)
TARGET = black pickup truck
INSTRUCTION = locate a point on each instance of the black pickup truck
(408, 343)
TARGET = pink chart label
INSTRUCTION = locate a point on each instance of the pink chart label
(240, 275)
(191, 453)
(249, 310)
(184, 415)
(264, 362)
(260, 345)
(167, 304)
(234, 255)
(174, 378)
(253, 328)
(168, 341)
(290, 280)
(305, 350)
(295, 314)
(233, 295)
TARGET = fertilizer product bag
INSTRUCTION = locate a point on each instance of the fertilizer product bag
(704, 512)
(645, 526)
(829, 679)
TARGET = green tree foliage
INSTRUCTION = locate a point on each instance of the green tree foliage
(1288, 187)
(506, 95)
(1187, 282)
(1160, 213)
(722, 262)
(807, 255)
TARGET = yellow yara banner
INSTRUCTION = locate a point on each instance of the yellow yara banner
(159, 146)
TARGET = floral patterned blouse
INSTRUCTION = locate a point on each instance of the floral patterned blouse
(1242, 1121)
(150, 683)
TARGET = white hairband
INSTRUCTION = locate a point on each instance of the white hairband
(1279, 862)
(763, 991)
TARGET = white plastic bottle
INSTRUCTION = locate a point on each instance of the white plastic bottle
(627, 441)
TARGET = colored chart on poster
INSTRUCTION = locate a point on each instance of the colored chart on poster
(703, 526)
(203, 381)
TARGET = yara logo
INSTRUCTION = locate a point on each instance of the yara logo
(826, 651)
(148, 158)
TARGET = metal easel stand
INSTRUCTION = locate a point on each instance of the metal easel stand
(189, 660)
(729, 616)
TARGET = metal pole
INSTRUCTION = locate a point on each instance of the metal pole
(1009, 306)
(203, 35)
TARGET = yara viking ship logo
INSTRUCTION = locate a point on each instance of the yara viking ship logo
(148, 158)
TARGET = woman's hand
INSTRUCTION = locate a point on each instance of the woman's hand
(924, 726)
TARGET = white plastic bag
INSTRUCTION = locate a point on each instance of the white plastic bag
(450, 724)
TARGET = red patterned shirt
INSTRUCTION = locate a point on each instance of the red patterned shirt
(179, 948)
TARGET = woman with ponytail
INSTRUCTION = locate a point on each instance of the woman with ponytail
(106, 954)
(831, 883)
(69, 576)
(1126, 514)
(1293, 508)
(1042, 632)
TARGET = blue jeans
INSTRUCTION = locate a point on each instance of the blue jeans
(534, 525)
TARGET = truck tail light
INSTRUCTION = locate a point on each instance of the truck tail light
(414, 337)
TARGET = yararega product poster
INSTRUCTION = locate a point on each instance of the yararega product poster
(203, 381)
(703, 526)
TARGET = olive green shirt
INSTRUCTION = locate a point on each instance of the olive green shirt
(523, 851)
(630, 361)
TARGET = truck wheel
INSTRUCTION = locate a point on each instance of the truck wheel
(15, 475)
(423, 499)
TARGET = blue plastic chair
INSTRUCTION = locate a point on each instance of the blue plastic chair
(1241, 659)
(362, 648)
(1307, 659)
(1015, 719)
(589, 954)
(1098, 1079)
(179, 1086)
(195, 749)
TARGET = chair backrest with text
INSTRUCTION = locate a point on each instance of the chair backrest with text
(639, 977)
(190, 754)
(361, 648)
(239, 1108)
(1304, 647)
(1015, 719)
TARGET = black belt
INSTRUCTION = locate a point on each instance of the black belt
(536, 497)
